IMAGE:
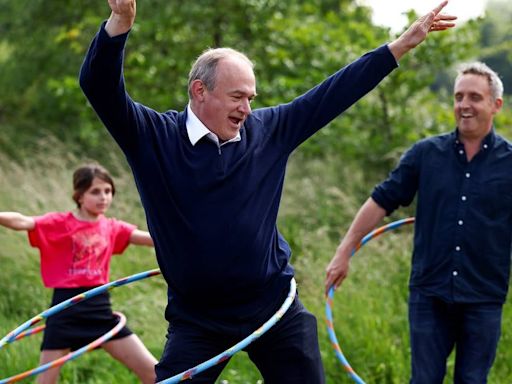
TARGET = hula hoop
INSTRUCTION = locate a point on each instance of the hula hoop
(11, 336)
(30, 332)
(71, 355)
(23, 330)
(328, 305)
(188, 374)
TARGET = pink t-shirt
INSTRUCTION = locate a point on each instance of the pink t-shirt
(76, 253)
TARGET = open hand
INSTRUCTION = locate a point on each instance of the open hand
(431, 22)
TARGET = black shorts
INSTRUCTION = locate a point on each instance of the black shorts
(80, 324)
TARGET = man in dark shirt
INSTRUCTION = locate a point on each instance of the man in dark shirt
(210, 179)
(463, 234)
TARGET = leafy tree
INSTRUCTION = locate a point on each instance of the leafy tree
(294, 44)
(496, 40)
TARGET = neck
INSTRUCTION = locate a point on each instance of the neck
(85, 216)
(471, 145)
(472, 148)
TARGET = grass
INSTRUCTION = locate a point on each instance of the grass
(370, 309)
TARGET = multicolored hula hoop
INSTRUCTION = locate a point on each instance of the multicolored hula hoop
(23, 330)
(330, 295)
(188, 374)
(71, 355)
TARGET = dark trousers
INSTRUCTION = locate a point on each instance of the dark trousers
(287, 353)
(437, 327)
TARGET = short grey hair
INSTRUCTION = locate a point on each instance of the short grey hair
(205, 66)
(481, 69)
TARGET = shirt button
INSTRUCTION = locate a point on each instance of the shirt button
(457, 248)
(460, 222)
(468, 175)
(485, 146)
(463, 198)
(455, 273)
(461, 152)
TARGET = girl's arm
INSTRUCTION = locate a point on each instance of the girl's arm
(139, 237)
(17, 221)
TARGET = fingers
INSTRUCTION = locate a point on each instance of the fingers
(442, 16)
(439, 21)
(333, 281)
(440, 26)
(438, 9)
(329, 282)
(328, 287)
(442, 23)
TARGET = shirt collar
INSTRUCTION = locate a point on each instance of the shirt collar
(196, 130)
(487, 142)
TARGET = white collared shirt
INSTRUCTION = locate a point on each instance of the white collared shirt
(196, 130)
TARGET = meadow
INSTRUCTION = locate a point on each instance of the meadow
(320, 198)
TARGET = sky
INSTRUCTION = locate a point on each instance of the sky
(390, 12)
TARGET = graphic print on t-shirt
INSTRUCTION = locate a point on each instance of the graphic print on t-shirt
(88, 247)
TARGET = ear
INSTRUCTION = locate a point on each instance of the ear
(498, 103)
(198, 90)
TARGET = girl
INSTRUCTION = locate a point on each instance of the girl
(76, 248)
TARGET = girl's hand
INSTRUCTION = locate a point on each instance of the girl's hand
(139, 237)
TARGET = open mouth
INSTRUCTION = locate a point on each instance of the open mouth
(235, 120)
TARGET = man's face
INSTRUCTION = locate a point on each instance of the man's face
(474, 106)
(224, 109)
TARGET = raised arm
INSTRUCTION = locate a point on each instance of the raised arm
(431, 22)
(101, 75)
(122, 17)
(16, 221)
(139, 237)
(369, 215)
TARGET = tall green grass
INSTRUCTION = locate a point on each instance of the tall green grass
(320, 198)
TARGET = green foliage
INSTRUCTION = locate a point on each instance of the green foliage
(294, 45)
(496, 40)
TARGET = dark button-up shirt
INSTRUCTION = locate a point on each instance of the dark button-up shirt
(463, 228)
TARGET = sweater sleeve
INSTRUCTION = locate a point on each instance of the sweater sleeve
(313, 110)
(102, 81)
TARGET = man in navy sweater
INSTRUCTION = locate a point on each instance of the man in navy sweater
(210, 179)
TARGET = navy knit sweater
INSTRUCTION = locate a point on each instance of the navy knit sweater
(213, 215)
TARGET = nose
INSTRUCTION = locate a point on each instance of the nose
(245, 106)
(464, 103)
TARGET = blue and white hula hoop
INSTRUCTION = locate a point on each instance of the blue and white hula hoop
(71, 355)
(330, 295)
(23, 330)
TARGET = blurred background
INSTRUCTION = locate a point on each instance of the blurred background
(47, 129)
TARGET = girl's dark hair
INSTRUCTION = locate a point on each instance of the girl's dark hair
(83, 177)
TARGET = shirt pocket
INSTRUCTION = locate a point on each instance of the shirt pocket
(495, 198)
